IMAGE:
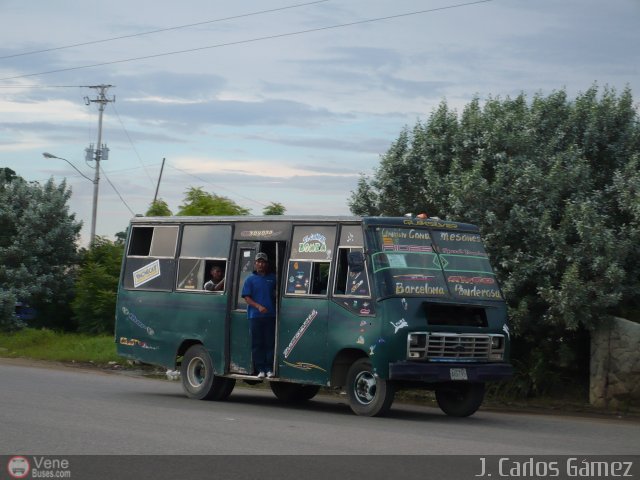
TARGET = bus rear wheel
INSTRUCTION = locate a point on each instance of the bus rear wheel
(369, 395)
(293, 392)
(198, 379)
(460, 400)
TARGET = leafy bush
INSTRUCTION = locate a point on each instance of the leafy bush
(96, 287)
(37, 248)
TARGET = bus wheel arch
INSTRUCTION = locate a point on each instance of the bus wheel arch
(182, 349)
(341, 364)
(369, 395)
(198, 378)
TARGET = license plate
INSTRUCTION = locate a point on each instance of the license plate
(458, 373)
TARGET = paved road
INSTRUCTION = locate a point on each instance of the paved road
(68, 411)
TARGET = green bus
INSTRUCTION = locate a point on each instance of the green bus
(370, 305)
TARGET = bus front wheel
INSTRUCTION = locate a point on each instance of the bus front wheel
(369, 395)
(198, 379)
(293, 392)
(460, 400)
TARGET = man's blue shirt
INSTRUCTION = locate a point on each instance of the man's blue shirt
(261, 289)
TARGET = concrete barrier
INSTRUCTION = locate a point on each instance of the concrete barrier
(615, 366)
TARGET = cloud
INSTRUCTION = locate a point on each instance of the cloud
(167, 84)
(42, 110)
(358, 58)
(373, 145)
(228, 112)
(275, 170)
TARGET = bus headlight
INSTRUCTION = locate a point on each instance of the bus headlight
(497, 347)
(417, 345)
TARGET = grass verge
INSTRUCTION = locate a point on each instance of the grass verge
(62, 347)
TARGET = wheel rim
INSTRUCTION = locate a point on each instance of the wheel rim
(196, 372)
(365, 387)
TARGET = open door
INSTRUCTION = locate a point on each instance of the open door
(240, 336)
(240, 361)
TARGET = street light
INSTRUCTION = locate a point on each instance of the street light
(95, 182)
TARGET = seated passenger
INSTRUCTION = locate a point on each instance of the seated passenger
(216, 284)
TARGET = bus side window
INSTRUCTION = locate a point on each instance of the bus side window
(245, 268)
(308, 277)
(203, 247)
(150, 260)
(190, 274)
(350, 282)
(320, 278)
(342, 271)
(217, 284)
(310, 259)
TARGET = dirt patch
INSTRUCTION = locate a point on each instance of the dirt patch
(136, 370)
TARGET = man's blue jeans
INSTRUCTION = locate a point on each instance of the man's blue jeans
(263, 333)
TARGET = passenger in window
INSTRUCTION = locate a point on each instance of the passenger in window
(216, 284)
(259, 293)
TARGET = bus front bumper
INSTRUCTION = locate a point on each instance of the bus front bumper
(429, 372)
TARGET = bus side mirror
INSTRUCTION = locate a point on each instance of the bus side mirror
(355, 261)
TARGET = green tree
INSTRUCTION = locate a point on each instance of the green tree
(158, 208)
(6, 175)
(274, 208)
(197, 202)
(364, 201)
(96, 286)
(121, 237)
(554, 185)
(37, 249)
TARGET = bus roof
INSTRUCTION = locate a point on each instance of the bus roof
(367, 221)
(247, 218)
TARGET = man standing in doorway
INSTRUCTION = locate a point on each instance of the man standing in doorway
(259, 293)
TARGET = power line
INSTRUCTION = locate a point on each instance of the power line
(251, 40)
(43, 86)
(120, 170)
(108, 180)
(132, 144)
(116, 190)
(189, 25)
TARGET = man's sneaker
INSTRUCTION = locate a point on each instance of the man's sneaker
(269, 374)
(261, 375)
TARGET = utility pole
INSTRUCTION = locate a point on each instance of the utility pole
(100, 151)
(159, 178)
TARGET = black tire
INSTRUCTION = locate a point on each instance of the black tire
(460, 400)
(198, 379)
(293, 392)
(369, 395)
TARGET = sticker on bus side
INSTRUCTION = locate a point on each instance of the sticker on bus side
(146, 273)
(303, 328)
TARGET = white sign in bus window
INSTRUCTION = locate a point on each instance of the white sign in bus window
(146, 273)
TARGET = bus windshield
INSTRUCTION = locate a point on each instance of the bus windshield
(420, 262)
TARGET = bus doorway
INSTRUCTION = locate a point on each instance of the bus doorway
(240, 360)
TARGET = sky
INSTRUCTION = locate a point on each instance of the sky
(286, 101)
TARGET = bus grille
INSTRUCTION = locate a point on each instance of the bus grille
(455, 347)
